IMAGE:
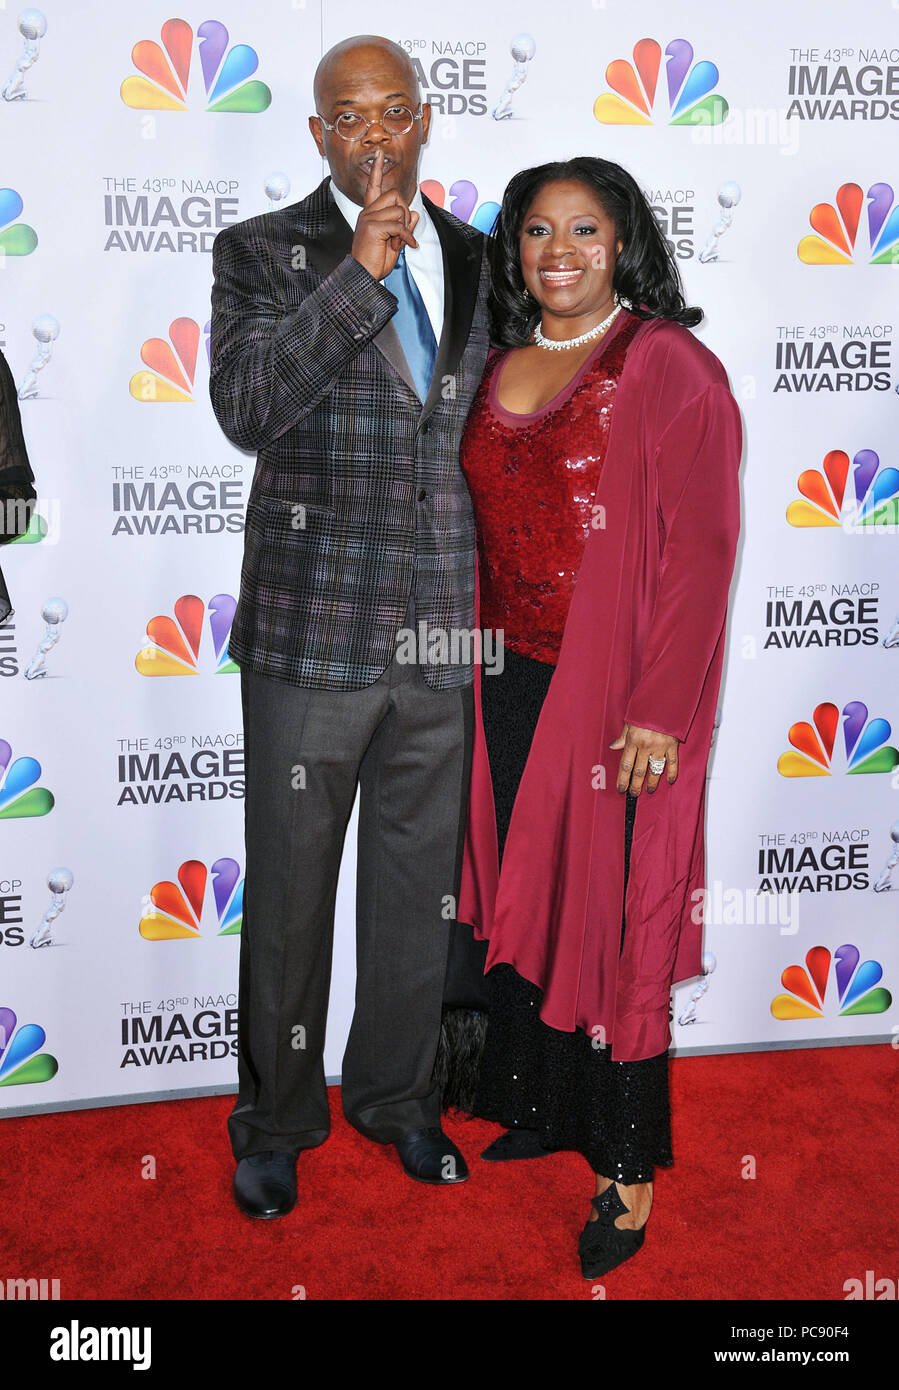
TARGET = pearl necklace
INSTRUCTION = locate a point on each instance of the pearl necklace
(557, 344)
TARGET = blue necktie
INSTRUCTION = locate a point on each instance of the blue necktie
(413, 325)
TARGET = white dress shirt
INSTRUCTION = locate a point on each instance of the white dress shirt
(425, 261)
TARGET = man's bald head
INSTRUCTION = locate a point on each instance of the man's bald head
(358, 50)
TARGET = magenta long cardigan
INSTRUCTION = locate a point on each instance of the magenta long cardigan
(643, 643)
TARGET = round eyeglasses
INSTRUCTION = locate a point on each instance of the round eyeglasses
(396, 120)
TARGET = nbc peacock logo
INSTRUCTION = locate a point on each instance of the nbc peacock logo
(836, 227)
(176, 912)
(19, 797)
(632, 100)
(827, 500)
(172, 365)
(174, 647)
(163, 85)
(21, 1059)
(463, 203)
(855, 986)
(865, 742)
(16, 238)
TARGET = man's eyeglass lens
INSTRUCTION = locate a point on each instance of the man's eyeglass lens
(396, 121)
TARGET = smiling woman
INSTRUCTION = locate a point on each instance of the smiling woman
(567, 252)
(601, 455)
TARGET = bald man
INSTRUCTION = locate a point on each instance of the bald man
(349, 335)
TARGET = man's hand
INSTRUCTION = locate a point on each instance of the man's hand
(639, 746)
(385, 224)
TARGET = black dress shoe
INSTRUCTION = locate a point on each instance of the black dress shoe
(265, 1184)
(427, 1155)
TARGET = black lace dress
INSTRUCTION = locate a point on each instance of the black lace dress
(532, 1076)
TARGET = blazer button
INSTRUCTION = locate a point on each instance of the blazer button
(422, 495)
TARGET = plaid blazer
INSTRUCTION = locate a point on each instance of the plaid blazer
(357, 496)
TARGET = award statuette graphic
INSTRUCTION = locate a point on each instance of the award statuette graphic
(708, 965)
(277, 187)
(32, 27)
(522, 48)
(729, 194)
(54, 612)
(59, 881)
(46, 330)
(892, 637)
(882, 883)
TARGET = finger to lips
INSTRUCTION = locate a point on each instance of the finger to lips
(373, 187)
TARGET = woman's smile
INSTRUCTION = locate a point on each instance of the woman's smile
(560, 277)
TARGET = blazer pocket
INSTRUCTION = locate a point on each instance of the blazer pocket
(295, 515)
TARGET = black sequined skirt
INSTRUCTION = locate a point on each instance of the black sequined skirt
(532, 1076)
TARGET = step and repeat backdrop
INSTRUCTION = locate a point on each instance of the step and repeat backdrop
(130, 136)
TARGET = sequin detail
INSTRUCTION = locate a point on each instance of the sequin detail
(532, 482)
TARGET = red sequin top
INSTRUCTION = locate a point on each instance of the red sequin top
(532, 479)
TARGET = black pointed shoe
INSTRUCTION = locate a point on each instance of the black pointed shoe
(516, 1143)
(603, 1245)
(427, 1155)
(265, 1184)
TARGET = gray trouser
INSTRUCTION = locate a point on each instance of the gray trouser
(406, 746)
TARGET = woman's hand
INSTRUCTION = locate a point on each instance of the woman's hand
(639, 746)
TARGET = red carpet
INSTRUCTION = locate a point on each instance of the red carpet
(819, 1125)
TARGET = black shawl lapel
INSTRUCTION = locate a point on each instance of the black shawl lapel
(461, 273)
